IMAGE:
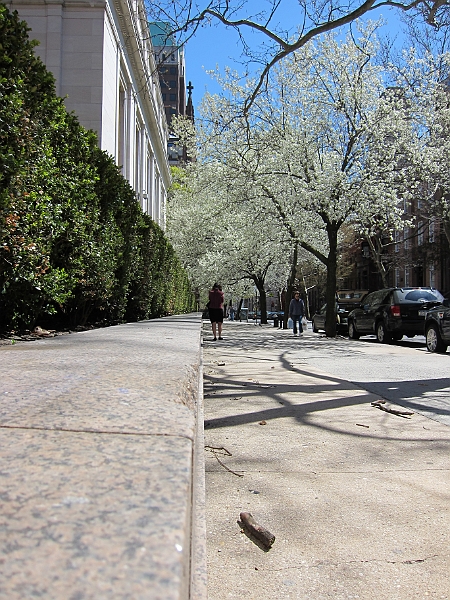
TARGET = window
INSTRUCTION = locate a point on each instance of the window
(407, 283)
(172, 83)
(397, 277)
(173, 70)
(420, 295)
(406, 238)
(173, 97)
(420, 233)
(431, 232)
(164, 97)
(397, 241)
(370, 299)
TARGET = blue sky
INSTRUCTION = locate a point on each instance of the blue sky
(218, 46)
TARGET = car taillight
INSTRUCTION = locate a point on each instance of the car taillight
(395, 310)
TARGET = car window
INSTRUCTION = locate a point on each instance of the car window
(370, 299)
(376, 297)
(419, 295)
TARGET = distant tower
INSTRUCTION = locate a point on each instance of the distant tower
(189, 105)
(171, 69)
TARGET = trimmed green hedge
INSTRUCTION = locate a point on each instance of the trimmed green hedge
(75, 246)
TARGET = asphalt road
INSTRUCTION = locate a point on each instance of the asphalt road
(404, 372)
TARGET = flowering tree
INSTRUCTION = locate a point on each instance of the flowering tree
(326, 145)
(220, 234)
(261, 21)
(427, 86)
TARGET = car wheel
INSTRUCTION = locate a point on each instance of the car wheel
(434, 340)
(352, 333)
(383, 336)
(314, 328)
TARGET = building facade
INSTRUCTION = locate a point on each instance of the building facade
(101, 56)
(170, 61)
(417, 256)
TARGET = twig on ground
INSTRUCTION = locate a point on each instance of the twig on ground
(381, 404)
(214, 449)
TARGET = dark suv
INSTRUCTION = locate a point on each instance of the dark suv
(392, 313)
(437, 327)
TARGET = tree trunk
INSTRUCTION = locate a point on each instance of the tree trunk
(330, 324)
(262, 299)
(376, 249)
(290, 286)
(238, 312)
(446, 224)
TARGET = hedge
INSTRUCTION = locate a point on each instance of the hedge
(75, 246)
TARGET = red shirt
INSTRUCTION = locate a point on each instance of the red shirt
(215, 299)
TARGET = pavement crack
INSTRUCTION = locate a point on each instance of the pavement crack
(340, 563)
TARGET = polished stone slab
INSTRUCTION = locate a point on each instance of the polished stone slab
(101, 479)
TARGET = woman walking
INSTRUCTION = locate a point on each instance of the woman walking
(216, 310)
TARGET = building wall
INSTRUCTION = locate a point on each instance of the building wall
(418, 256)
(101, 56)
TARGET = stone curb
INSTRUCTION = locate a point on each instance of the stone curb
(101, 437)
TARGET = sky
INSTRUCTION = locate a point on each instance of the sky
(216, 46)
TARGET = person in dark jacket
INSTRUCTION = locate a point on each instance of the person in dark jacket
(216, 310)
(296, 312)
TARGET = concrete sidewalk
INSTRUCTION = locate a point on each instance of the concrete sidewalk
(102, 470)
(358, 499)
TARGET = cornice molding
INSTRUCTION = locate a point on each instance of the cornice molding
(80, 3)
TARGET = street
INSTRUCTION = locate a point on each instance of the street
(403, 372)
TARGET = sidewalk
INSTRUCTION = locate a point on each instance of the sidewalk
(102, 470)
(358, 499)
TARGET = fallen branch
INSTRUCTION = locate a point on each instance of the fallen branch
(214, 448)
(258, 531)
(381, 404)
(227, 453)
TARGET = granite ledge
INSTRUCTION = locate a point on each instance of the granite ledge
(88, 510)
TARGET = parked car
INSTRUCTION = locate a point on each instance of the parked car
(351, 296)
(342, 311)
(437, 327)
(347, 300)
(275, 314)
(393, 312)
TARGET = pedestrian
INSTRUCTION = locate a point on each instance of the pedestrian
(296, 312)
(231, 311)
(216, 310)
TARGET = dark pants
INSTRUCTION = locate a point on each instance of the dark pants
(298, 318)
